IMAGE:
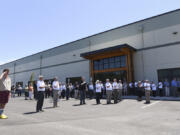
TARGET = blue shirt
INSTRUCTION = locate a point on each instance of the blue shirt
(166, 84)
(178, 83)
(174, 83)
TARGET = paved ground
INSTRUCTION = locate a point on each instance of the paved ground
(126, 118)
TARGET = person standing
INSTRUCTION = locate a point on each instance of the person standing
(147, 87)
(40, 94)
(109, 90)
(174, 87)
(131, 88)
(46, 90)
(115, 91)
(19, 90)
(63, 90)
(26, 92)
(140, 91)
(5, 88)
(98, 92)
(154, 89)
(135, 87)
(160, 86)
(13, 91)
(82, 90)
(35, 90)
(125, 88)
(56, 90)
(31, 89)
(91, 90)
(67, 91)
(102, 89)
(71, 90)
(120, 88)
(166, 86)
(76, 95)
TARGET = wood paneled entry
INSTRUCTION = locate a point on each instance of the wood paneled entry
(112, 62)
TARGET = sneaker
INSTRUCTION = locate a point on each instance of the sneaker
(3, 116)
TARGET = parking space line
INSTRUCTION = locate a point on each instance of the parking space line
(146, 106)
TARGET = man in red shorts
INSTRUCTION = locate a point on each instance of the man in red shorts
(5, 87)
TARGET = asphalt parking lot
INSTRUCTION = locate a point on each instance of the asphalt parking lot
(128, 117)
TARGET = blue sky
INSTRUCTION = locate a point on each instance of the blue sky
(31, 26)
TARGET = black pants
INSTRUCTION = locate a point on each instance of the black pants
(72, 93)
(40, 100)
(154, 93)
(115, 95)
(91, 93)
(63, 94)
(160, 92)
(47, 94)
(67, 94)
(82, 97)
(98, 97)
(19, 93)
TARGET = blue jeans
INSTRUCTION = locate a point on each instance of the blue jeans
(82, 97)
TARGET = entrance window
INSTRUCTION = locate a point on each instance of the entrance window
(109, 63)
(119, 75)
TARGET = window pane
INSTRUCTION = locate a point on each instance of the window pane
(117, 64)
(117, 59)
(106, 66)
(101, 62)
(111, 59)
(96, 63)
(112, 65)
(106, 60)
(96, 67)
(101, 67)
(123, 61)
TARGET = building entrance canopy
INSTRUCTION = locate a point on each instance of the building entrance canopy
(111, 60)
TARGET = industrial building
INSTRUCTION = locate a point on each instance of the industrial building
(146, 49)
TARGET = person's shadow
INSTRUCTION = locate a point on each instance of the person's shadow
(28, 113)
(76, 105)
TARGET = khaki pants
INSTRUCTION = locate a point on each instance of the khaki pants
(167, 91)
(109, 95)
(55, 97)
(148, 93)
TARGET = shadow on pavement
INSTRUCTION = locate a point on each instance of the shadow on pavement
(49, 107)
(76, 105)
(28, 113)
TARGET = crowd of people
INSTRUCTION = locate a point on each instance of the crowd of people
(109, 90)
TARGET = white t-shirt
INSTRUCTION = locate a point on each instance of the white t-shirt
(131, 85)
(63, 87)
(154, 88)
(120, 85)
(40, 84)
(55, 85)
(136, 84)
(98, 88)
(91, 87)
(147, 86)
(115, 85)
(160, 85)
(108, 86)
